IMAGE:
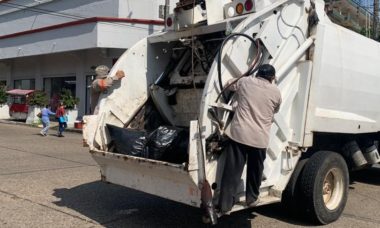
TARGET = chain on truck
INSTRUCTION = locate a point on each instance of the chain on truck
(160, 130)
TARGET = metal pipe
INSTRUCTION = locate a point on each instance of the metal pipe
(166, 9)
(294, 58)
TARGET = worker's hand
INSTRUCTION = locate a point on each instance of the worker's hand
(120, 74)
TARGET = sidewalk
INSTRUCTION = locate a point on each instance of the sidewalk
(53, 125)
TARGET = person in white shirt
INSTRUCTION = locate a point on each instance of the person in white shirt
(258, 99)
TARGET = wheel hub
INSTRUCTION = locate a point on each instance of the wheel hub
(332, 189)
(328, 187)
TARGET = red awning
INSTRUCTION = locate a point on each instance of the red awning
(19, 92)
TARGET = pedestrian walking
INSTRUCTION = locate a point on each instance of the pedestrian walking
(62, 119)
(45, 112)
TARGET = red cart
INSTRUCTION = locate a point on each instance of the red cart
(19, 103)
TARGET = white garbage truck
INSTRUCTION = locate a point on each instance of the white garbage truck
(161, 129)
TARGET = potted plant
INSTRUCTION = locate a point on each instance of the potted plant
(70, 102)
(36, 102)
(4, 108)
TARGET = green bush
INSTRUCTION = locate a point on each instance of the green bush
(3, 95)
(39, 98)
(69, 101)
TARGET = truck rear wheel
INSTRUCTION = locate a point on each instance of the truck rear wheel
(291, 199)
(324, 186)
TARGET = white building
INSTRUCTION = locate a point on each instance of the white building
(52, 44)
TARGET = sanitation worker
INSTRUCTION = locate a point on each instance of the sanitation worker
(102, 82)
(258, 99)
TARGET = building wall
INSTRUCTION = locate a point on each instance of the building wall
(65, 51)
(51, 12)
(5, 72)
(63, 11)
(77, 64)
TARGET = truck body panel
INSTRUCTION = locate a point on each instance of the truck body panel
(344, 93)
(324, 82)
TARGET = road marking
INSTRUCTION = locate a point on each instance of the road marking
(45, 170)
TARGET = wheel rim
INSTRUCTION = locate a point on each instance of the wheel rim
(333, 188)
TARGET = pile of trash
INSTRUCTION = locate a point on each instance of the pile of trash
(166, 143)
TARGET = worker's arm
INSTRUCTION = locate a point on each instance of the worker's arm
(50, 112)
(277, 108)
(233, 84)
(101, 85)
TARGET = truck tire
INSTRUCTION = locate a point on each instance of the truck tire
(291, 199)
(324, 186)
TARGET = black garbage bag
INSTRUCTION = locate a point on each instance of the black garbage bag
(139, 147)
(128, 141)
(169, 144)
(178, 151)
(160, 140)
(166, 143)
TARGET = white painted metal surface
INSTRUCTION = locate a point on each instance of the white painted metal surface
(158, 178)
(344, 93)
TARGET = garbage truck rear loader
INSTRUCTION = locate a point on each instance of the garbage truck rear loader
(328, 122)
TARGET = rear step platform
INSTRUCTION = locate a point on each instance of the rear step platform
(164, 179)
(264, 200)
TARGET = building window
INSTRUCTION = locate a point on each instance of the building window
(24, 84)
(53, 88)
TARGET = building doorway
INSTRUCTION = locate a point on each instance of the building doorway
(53, 88)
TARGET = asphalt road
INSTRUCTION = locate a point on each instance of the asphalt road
(53, 182)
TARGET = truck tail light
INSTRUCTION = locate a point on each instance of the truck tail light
(239, 8)
(248, 5)
(231, 11)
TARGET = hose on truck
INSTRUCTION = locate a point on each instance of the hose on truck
(256, 63)
(252, 68)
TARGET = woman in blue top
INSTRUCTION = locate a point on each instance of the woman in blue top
(45, 112)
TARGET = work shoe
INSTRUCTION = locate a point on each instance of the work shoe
(220, 213)
(254, 203)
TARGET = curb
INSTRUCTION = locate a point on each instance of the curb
(54, 127)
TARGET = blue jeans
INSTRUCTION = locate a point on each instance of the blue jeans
(62, 126)
(46, 125)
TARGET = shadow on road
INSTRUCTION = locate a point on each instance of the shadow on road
(368, 176)
(116, 206)
(278, 212)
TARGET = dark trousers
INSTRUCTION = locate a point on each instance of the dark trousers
(62, 127)
(236, 157)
